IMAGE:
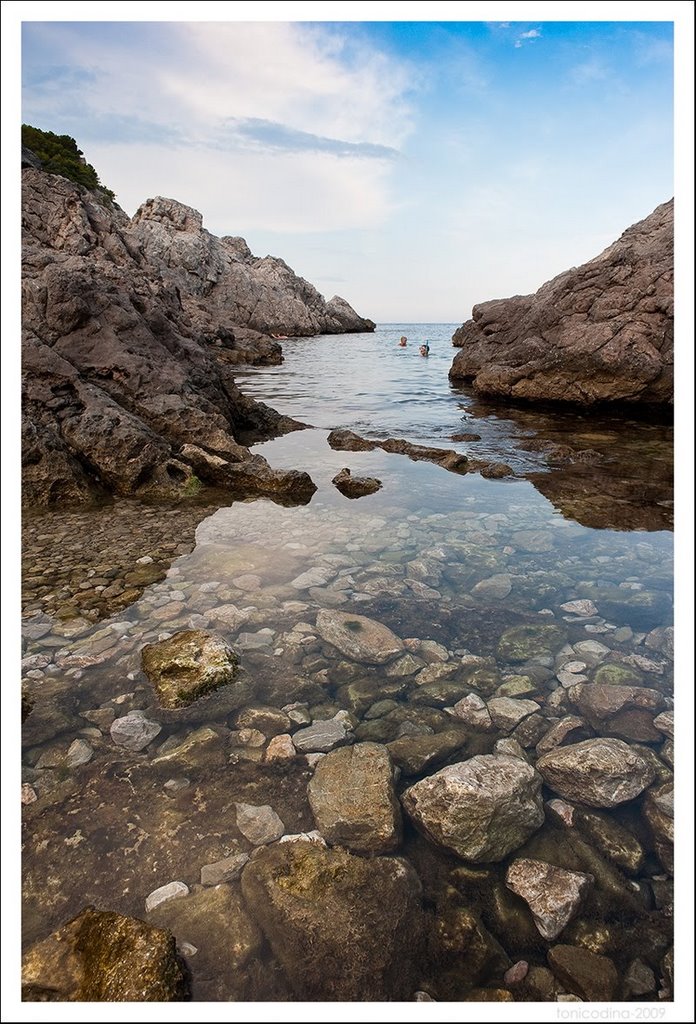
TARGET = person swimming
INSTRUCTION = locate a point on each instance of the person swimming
(425, 349)
(402, 341)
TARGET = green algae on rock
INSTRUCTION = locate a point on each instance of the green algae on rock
(523, 642)
(101, 956)
(189, 665)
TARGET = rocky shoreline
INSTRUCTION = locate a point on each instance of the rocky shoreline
(131, 330)
(319, 752)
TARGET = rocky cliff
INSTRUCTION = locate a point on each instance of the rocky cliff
(129, 329)
(602, 332)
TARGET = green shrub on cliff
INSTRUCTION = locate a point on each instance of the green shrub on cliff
(59, 154)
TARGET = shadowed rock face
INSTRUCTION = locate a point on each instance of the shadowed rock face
(602, 332)
(126, 379)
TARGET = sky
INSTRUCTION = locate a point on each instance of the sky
(414, 168)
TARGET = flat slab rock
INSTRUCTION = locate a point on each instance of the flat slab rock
(554, 895)
(322, 736)
(585, 974)
(601, 772)
(352, 798)
(481, 809)
(189, 665)
(359, 638)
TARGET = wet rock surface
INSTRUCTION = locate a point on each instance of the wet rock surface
(189, 665)
(352, 798)
(344, 928)
(100, 956)
(481, 809)
(596, 333)
(597, 772)
(355, 486)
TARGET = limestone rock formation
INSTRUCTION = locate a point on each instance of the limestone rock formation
(130, 331)
(261, 293)
(601, 332)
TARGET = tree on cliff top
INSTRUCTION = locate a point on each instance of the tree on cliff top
(59, 154)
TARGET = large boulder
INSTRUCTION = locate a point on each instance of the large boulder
(342, 927)
(481, 809)
(188, 665)
(352, 799)
(101, 956)
(600, 772)
(600, 332)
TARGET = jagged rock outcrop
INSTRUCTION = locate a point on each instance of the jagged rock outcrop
(601, 332)
(261, 293)
(128, 333)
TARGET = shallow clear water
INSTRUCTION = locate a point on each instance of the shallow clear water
(434, 555)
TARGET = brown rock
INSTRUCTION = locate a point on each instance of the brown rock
(343, 927)
(352, 798)
(599, 332)
(554, 895)
(101, 956)
(355, 486)
(599, 772)
(585, 974)
(189, 665)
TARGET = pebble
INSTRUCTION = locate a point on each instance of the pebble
(28, 794)
(225, 870)
(170, 891)
(79, 752)
(134, 731)
(259, 824)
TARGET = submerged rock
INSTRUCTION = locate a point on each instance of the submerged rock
(101, 956)
(134, 731)
(342, 927)
(215, 922)
(358, 637)
(524, 642)
(554, 895)
(189, 665)
(322, 736)
(481, 809)
(599, 772)
(352, 798)
(260, 825)
(585, 974)
(355, 486)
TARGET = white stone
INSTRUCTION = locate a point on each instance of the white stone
(170, 891)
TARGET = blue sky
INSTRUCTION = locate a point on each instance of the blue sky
(414, 168)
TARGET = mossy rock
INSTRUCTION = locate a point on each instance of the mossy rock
(101, 956)
(189, 665)
(612, 674)
(342, 927)
(523, 642)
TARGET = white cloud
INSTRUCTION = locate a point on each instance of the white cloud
(528, 36)
(155, 113)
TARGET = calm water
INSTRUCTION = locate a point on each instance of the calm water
(435, 556)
